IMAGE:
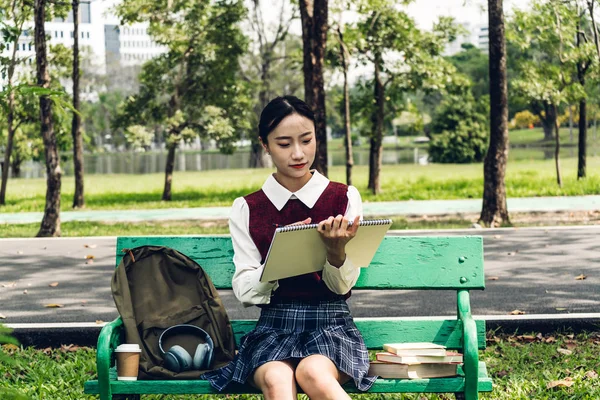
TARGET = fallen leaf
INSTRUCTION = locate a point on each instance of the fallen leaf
(591, 375)
(561, 383)
(2, 316)
(53, 305)
(10, 347)
(9, 284)
(550, 339)
(89, 262)
(99, 321)
(53, 284)
(493, 278)
(47, 351)
(571, 346)
(539, 336)
(90, 246)
(19, 252)
(560, 309)
(526, 338)
(580, 277)
(89, 257)
(517, 312)
(497, 236)
(502, 374)
(570, 336)
(25, 291)
(69, 347)
(564, 351)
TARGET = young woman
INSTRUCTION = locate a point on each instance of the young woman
(305, 335)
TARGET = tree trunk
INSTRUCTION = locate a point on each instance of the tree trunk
(582, 145)
(570, 124)
(10, 118)
(50, 225)
(256, 149)
(15, 166)
(256, 154)
(169, 172)
(78, 199)
(548, 122)
(494, 211)
(582, 68)
(595, 124)
(9, 141)
(347, 131)
(557, 151)
(375, 153)
(313, 14)
(582, 142)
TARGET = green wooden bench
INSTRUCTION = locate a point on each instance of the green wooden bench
(403, 263)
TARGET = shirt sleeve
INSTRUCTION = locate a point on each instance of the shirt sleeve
(247, 259)
(341, 280)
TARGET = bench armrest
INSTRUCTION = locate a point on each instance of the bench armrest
(110, 337)
(470, 348)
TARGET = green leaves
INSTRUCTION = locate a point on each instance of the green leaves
(181, 89)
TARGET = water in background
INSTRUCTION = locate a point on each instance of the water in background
(154, 162)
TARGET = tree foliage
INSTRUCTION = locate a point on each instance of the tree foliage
(461, 128)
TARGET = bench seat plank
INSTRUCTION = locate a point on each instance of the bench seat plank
(436, 385)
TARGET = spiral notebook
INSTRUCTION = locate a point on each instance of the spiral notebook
(297, 250)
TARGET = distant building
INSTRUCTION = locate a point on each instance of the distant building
(475, 34)
(129, 45)
(483, 38)
(104, 48)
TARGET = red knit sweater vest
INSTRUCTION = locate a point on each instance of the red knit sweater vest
(264, 218)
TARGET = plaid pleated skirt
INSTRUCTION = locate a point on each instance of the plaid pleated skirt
(295, 330)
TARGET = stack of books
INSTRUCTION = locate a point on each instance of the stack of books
(415, 361)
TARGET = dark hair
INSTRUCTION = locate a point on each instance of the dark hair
(279, 108)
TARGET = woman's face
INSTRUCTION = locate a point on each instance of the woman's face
(292, 145)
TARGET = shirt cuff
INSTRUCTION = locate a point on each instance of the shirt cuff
(345, 273)
(262, 288)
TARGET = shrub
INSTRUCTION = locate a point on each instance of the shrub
(462, 133)
(467, 143)
(525, 119)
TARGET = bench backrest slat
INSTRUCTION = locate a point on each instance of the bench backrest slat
(377, 331)
(401, 262)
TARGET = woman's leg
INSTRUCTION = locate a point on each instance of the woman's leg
(318, 376)
(276, 380)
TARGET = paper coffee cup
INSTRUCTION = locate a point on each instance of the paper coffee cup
(128, 361)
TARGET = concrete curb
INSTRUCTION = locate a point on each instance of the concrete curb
(86, 334)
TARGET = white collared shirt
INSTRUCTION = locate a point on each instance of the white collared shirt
(247, 259)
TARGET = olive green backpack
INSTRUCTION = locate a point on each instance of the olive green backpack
(157, 287)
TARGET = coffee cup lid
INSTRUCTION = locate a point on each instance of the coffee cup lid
(128, 348)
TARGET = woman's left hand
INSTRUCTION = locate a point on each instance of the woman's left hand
(335, 233)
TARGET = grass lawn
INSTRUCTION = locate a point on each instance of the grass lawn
(535, 136)
(523, 367)
(220, 187)
(91, 228)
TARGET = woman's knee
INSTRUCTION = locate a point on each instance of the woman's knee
(315, 371)
(274, 376)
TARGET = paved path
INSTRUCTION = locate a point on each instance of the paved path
(536, 270)
(411, 207)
